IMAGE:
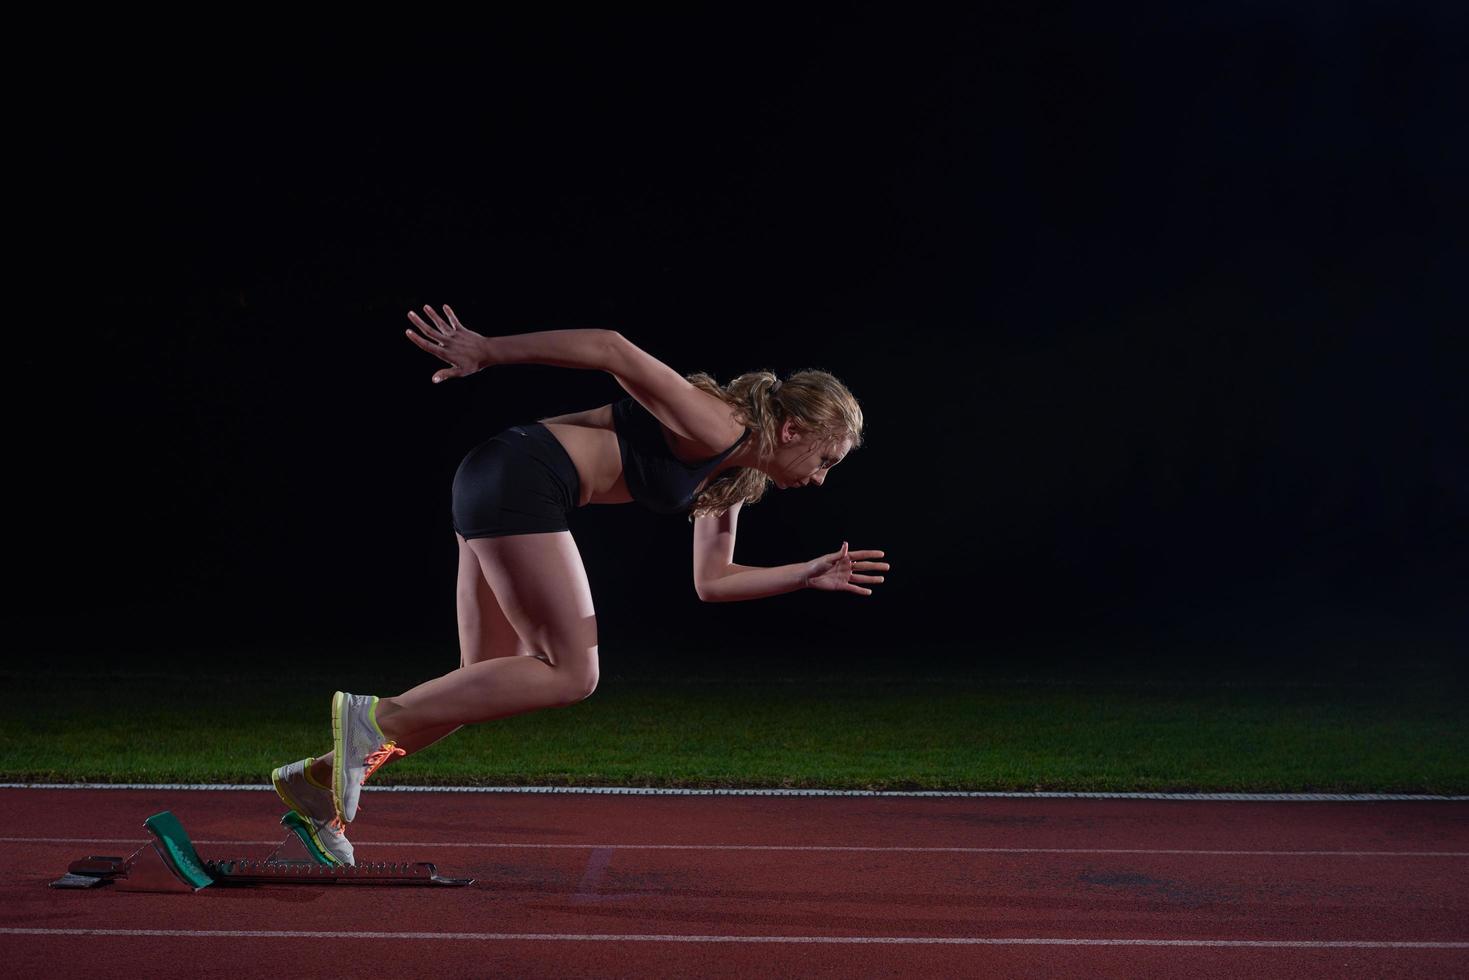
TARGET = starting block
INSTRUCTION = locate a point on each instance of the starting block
(169, 863)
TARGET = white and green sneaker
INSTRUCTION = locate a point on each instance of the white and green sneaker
(313, 803)
(359, 748)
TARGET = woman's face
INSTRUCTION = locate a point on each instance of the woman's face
(803, 459)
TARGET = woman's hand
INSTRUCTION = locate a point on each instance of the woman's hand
(835, 572)
(465, 350)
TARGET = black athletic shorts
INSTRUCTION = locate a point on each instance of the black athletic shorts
(518, 482)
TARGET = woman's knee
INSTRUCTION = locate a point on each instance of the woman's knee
(578, 678)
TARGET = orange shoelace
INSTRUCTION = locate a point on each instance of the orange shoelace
(374, 761)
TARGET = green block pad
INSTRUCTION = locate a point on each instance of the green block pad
(178, 848)
(303, 831)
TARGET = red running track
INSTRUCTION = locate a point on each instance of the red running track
(730, 886)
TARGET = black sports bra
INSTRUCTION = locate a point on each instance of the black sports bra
(655, 477)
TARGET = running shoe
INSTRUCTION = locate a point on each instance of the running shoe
(313, 803)
(359, 748)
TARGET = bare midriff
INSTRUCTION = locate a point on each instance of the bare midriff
(591, 441)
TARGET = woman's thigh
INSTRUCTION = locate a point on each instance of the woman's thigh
(484, 631)
(542, 587)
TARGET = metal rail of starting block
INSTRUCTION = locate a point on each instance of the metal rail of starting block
(169, 863)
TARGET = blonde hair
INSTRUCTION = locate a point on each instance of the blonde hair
(815, 400)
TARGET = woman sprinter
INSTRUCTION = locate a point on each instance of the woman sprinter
(527, 628)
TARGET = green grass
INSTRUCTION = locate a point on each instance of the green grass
(1074, 728)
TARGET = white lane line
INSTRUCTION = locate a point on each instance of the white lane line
(652, 938)
(469, 845)
(899, 794)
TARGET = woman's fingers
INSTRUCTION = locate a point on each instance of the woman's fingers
(437, 329)
(435, 349)
(431, 332)
(444, 328)
(453, 320)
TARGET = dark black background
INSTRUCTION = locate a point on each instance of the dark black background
(1156, 315)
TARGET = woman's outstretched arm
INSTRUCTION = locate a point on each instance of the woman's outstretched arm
(467, 352)
(836, 572)
(717, 578)
(739, 582)
(588, 349)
